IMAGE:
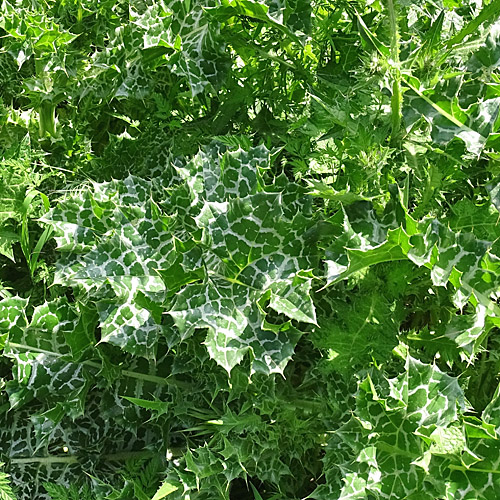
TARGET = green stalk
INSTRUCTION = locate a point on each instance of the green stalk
(126, 373)
(113, 457)
(487, 14)
(397, 98)
(472, 469)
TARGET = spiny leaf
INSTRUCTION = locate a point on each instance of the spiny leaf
(133, 244)
(255, 251)
(165, 489)
(459, 258)
(360, 331)
(6, 492)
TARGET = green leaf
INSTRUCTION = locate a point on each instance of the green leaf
(459, 258)
(287, 16)
(249, 259)
(358, 332)
(165, 489)
(6, 492)
(158, 406)
(118, 245)
(201, 56)
(16, 178)
(12, 317)
(255, 492)
(487, 55)
(404, 432)
(491, 414)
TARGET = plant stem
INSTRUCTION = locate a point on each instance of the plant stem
(396, 99)
(472, 469)
(72, 459)
(126, 373)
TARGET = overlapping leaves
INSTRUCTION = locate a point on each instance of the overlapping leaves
(255, 253)
(233, 257)
(464, 105)
(459, 258)
(407, 438)
(17, 179)
(116, 240)
(214, 279)
(246, 242)
(67, 402)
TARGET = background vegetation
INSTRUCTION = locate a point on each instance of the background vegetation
(248, 249)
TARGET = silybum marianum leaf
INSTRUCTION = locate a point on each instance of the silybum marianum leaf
(235, 323)
(488, 55)
(364, 239)
(254, 253)
(194, 31)
(460, 106)
(289, 15)
(456, 257)
(65, 452)
(44, 368)
(201, 56)
(406, 439)
(12, 317)
(460, 338)
(117, 245)
(61, 420)
(248, 244)
(491, 413)
(6, 492)
(213, 175)
(429, 396)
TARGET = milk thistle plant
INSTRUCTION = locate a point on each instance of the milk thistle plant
(249, 250)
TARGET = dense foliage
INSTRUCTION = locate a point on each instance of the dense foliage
(249, 250)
